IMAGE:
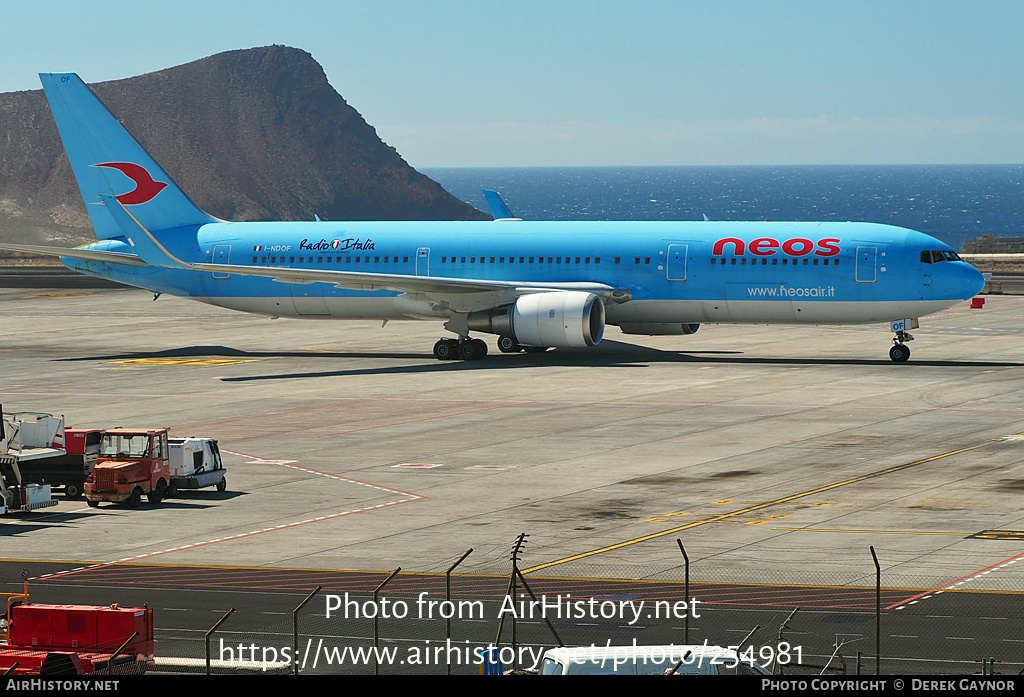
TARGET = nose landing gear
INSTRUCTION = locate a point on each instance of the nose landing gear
(900, 352)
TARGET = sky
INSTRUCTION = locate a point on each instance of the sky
(591, 82)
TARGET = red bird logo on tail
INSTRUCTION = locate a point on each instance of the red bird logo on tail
(146, 188)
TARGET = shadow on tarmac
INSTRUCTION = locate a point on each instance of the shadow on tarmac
(610, 354)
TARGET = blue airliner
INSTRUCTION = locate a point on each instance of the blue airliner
(536, 285)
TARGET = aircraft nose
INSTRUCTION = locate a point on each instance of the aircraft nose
(972, 281)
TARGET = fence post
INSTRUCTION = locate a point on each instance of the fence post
(227, 614)
(878, 613)
(686, 591)
(376, 620)
(295, 630)
(448, 598)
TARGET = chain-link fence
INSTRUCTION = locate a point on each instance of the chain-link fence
(789, 620)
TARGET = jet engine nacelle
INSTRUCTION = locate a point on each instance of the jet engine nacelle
(560, 319)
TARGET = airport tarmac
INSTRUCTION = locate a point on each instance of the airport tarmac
(766, 450)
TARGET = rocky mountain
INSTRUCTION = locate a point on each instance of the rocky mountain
(256, 134)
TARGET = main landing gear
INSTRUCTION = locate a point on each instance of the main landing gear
(460, 349)
(900, 352)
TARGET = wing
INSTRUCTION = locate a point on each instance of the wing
(460, 294)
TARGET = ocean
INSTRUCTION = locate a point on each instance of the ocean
(954, 203)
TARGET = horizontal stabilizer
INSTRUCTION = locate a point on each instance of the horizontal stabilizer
(86, 254)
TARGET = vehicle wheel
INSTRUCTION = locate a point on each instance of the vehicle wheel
(158, 494)
(222, 485)
(507, 344)
(445, 350)
(135, 498)
(93, 504)
(899, 353)
(72, 491)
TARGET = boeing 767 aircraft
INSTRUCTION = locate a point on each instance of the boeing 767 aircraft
(536, 285)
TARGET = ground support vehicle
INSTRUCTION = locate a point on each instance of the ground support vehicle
(70, 469)
(25, 439)
(195, 464)
(15, 495)
(131, 463)
(77, 639)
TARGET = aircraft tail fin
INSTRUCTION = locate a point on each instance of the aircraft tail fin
(109, 162)
(499, 211)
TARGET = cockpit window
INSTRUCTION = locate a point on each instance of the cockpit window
(934, 256)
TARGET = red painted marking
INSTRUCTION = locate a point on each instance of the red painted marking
(146, 188)
(953, 583)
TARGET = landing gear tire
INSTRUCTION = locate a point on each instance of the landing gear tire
(535, 349)
(446, 349)
(472, 350)
(158, 494)
(507, 344)
(899, 353)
